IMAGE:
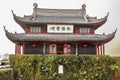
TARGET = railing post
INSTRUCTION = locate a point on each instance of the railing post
(76, 49)
(44, 48)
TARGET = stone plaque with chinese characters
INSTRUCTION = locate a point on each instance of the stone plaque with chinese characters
(59, 28)
(60, 69)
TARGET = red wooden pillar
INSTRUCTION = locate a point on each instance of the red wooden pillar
(23, 47)
(103, 49)
(17, 49)
(96, 49)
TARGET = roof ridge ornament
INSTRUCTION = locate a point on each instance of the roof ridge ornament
(84, 6)
(4, 28)
(35, 5)
(13, 13)
(107, 14)
(84, 12)
(34, 11)
(115, 31)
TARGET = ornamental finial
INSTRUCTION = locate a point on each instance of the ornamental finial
(35, 5)
(84, 6)
(34, 11)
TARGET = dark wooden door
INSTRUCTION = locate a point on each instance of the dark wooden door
(60, 49)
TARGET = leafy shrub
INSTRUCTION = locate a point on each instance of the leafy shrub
(115, 69)
(39, 67)
(6, 74)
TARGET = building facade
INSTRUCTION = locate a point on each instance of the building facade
(59, 31)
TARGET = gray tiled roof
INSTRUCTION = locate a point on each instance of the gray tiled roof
(61, 20)
(67, 16)
(60, 37)
(56, 19)
(59, 12)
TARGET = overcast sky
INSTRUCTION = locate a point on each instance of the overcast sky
(97, 8)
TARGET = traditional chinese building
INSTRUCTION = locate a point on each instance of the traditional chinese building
(59, 31)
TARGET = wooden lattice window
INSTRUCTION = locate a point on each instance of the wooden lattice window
(35, 29)
(85, 30)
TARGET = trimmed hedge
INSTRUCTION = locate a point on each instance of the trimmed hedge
(6, 74)
(116, 69)
(39, 67)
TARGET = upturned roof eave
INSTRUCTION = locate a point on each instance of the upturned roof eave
(16, 38)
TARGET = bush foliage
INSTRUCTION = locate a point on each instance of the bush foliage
(6, 74)
(39, 67)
